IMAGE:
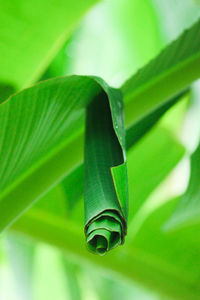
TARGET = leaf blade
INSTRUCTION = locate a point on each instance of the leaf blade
(187, 211)
(178, 65)
(104, 159)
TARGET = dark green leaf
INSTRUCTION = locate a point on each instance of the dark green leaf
(106, 182)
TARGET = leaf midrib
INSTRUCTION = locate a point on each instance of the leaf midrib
(155, 81)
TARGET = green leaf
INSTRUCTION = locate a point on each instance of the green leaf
(136, 131)
(35, 147)
(48, 226)
(177, 66)
(5, 92)
(73, 186)
(177, 253)
(54, 201)
(147, 169)
(49, 280)
(141, 183)
(150, 258)
(106, 182)
(36, 136)
(31, 34)
(37, 153)
(187, 212)
(72, 278)
(73, 183)
(37, 133)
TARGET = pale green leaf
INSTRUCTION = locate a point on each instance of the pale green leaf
(21, 254)
(150, 259)
(187, 212)
(147, 169)
(31, 34)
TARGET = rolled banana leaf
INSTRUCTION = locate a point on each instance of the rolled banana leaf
(105, 172)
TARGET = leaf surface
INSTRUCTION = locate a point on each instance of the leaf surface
(173, 70)
(151, 261)
(36, 135)
(31, 34)
(106, 180)
(37, 127)
(187, 212)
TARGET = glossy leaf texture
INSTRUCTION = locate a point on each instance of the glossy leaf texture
(106, 181)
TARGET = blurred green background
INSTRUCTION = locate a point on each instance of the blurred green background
(112, 40)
